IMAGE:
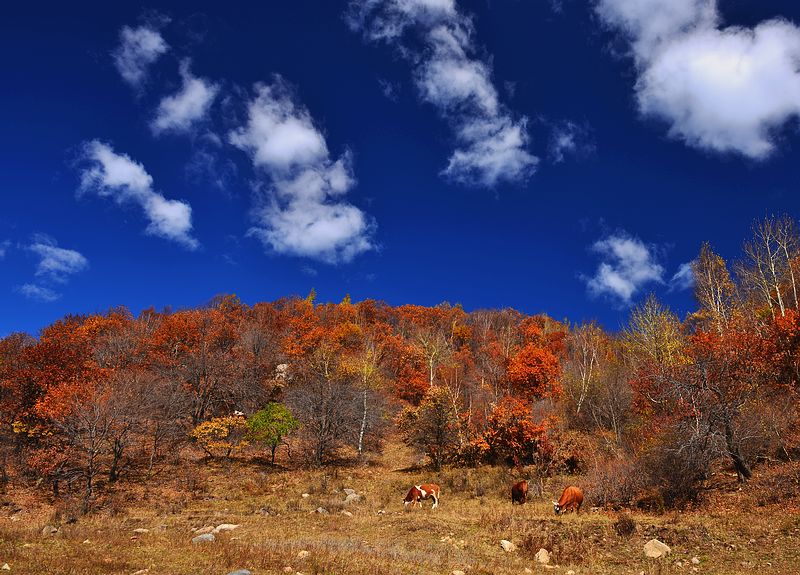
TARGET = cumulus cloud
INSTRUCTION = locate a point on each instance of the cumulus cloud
(683, 279)
(117, 176)
(302, 211)
(491, 142)
(138, 49)
(627, 265)
(722, 89)
(38, 293)
(181, 111)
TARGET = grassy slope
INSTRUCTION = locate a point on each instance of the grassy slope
(735, 532)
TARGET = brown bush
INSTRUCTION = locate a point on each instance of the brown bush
(625, 526)
(614, 483)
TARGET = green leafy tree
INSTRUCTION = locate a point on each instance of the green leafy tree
(270, 425)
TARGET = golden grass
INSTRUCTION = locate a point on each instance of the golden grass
(464, 533)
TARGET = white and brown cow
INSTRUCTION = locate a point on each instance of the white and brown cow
(417, 493)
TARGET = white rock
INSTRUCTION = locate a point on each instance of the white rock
(204, 530)
(225, 527)
(507, 545)
(655, 549)
(542, 556)
(204, 538)
(528, 570)
(141, 572)
(570, 572)
(141, 531)
(695, 560)
(321, 510)
(457, 572)
(349, 491)
(6, 567)
(353, 498)
(303, 554)
(346, 513)
(305, 495)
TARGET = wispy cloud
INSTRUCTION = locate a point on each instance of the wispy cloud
(109, 174)
(627, 265)
(301, 211)
(4, 245)
(55, 263)
(569, 139)
(682, 279)
(38, 293)
(491, 142)
(190, 105)
(718, 89)
(138, 49)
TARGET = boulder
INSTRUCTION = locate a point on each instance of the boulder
(5, 567)
(141, 531)
(204, 538)
(225, 527)
(507, 545)
(352, 498)
(542, 556)
(656, 549)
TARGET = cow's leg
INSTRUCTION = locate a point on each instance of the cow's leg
(435, 500)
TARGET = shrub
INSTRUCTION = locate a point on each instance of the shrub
(221, 436)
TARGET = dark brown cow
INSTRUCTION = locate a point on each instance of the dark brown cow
(417, 493)
(519, 492)
(571, 499)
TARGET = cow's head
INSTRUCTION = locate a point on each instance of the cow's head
(556, 507)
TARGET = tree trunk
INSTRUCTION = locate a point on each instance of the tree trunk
(363, 426)
(733, 451)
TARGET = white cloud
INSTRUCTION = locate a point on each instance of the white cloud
(683, 279)
(491, 143)
(139, 48)
(179, 112)
(303, 212)
(718, 89)
(627, 266)
(4, 245)
(55, 263)
(569, 139)
(118, 176)
(38, 293)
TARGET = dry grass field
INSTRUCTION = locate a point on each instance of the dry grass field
(731, 532)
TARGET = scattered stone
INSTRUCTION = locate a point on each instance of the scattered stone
(225, 527)
(352, 498)
(86, 542)
(5, 567)
(204, 530)
(49, 530)
(349, 491)
(507, 545)
(321, 510)
(287, 569)
(550, 566)
(542, 556)
(204, 538)
(305, 496)
(346, 513)
(141, 572)
(381, 512)
(457, 572)
(303, 554)
(240, 572)
(141, 531)
(656, 549)
(695, 560)
(528, 570)
(570, 572)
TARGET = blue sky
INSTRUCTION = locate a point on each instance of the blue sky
(566, 157)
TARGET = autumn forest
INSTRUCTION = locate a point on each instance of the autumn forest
(113, 398)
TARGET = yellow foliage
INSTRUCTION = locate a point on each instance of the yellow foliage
(221, 436)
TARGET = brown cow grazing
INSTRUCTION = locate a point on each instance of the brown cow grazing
(417, 493)
(519, 492)
(572, 498)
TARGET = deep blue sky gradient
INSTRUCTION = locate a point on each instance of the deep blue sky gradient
(525, 246)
